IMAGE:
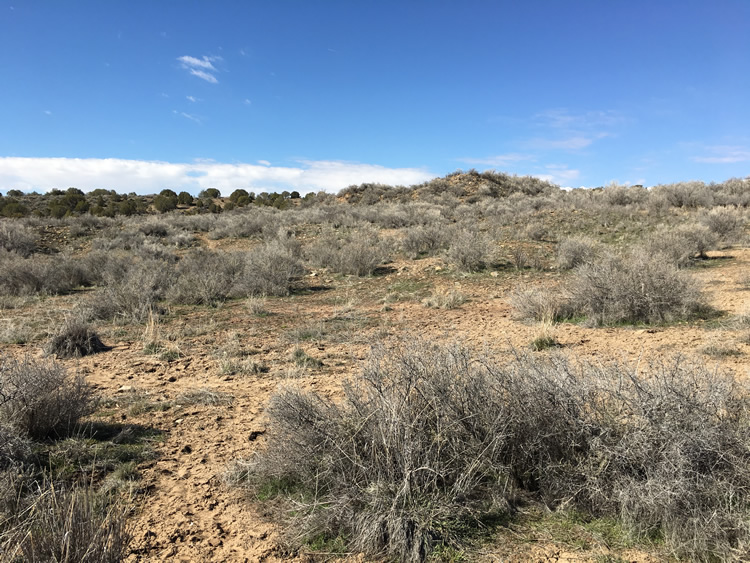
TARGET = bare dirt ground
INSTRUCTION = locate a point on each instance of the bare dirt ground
(184, 510)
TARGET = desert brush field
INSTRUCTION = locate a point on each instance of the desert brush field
(483, 367)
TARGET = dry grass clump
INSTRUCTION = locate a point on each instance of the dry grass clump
(75, 338)
(65, 524)
(204, 396)
(541, 304)
(445, 299)
(15, 448)
(409, 457)
(40, 399)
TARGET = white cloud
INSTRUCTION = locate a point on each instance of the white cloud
(144, 177)
(264, 162)
(724, 154)
(192, 99)
(248, 102)
(202, 68)
(204, 75)
(559, 174)
(192, 62)
(498, 160)
(47, 112)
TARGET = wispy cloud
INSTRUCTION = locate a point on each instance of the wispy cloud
(152, 176)
(724, 154)
(202, 68)
(573, 143)
(571, 131)
(561, 118)
(559, 174)
(192, 99)
(189, 116)
(47, 112)
(498, 160)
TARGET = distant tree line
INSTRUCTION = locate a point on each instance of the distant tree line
(108, 203)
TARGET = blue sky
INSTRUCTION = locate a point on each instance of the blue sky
(142, 95)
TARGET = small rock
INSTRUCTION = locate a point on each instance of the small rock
(125, 389)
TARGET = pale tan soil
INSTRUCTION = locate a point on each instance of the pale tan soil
(185, 511)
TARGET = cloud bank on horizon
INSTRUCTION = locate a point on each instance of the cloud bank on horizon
(148, 177)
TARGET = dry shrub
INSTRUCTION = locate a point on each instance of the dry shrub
(243, 224)
(637, 287)
(204, 277)
(684, 194)
(424, 241)
(40, 274)
(681, 245)
(727, 223)
(357, 255)
(574, 251)
(75, 339)
(41, 399)
(398, 460)
(469, 250)
(409, 456)
(132, 290)
(535, 231)
(15, 237)
(66, 525)
(269, 269)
